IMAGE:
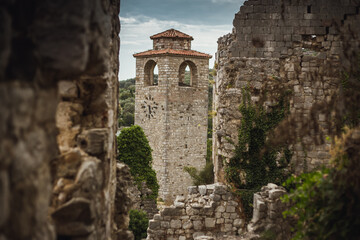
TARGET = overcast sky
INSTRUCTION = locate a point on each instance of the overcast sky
(205, 20)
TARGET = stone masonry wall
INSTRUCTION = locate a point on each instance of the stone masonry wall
(174, 119)
(162, 43)
(294, 43)
(58, 89)
(208, 210)
(123, 202)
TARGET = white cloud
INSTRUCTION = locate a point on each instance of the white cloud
(136, 31)
(129, 20)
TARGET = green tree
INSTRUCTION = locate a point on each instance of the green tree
(134, 150)
(138, 224)
(129, 107)
(124, 94)
(126, 102)
(128, 119)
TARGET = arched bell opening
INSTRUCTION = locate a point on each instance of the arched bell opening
(187, 74)
(151, 73)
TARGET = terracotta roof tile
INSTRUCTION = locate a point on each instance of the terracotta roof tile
(172, 52)
(171, 33)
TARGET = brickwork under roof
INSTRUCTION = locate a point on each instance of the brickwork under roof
(172, 52)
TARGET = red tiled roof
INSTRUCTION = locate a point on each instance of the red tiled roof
(172, 52)
(171, 33)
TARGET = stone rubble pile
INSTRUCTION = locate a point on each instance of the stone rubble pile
(208, 211)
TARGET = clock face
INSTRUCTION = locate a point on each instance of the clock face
(149, 107)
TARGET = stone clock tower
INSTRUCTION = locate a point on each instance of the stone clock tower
(172, 109)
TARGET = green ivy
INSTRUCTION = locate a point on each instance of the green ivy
(134, 150)
(256, 163)
(209, 151)
(138, 224)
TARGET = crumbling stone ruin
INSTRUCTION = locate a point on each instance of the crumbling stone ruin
(142, 201)
(171, 111)
(299, 44)
(213, 212)
(58, 94)
(267, 215)
(208, 210)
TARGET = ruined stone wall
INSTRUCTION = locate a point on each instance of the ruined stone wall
(142, 201)
(294, 43)
(174, 119)
(123, 202)
(208, 210)
(267, 215)
(58, 84)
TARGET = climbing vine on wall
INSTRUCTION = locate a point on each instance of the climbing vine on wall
(134, 150)
(255, 162)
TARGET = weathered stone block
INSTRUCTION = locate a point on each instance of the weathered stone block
(93, 141)
(238, 222)
(68, 89)
(187, 224)
(197, 205)
(198, 225)
(210, 222)
(202, 189)
(179, 204)
(230, 209)
(175, 224)
(171, 211)
(220, 209)
(4, 197)
(157, 217)
(276, 193)
(192, 190)
(226, 215)
(155, 224)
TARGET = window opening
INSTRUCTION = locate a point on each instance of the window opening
(309, 9)
(156, 75)
(187, 74)
(151, 73)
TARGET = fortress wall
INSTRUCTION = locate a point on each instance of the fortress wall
(297, 44)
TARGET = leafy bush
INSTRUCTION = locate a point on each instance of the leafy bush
(128, 119)
(135, 151)
(325, 203)
(202, 177)
(255, 162)
(138, 224)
